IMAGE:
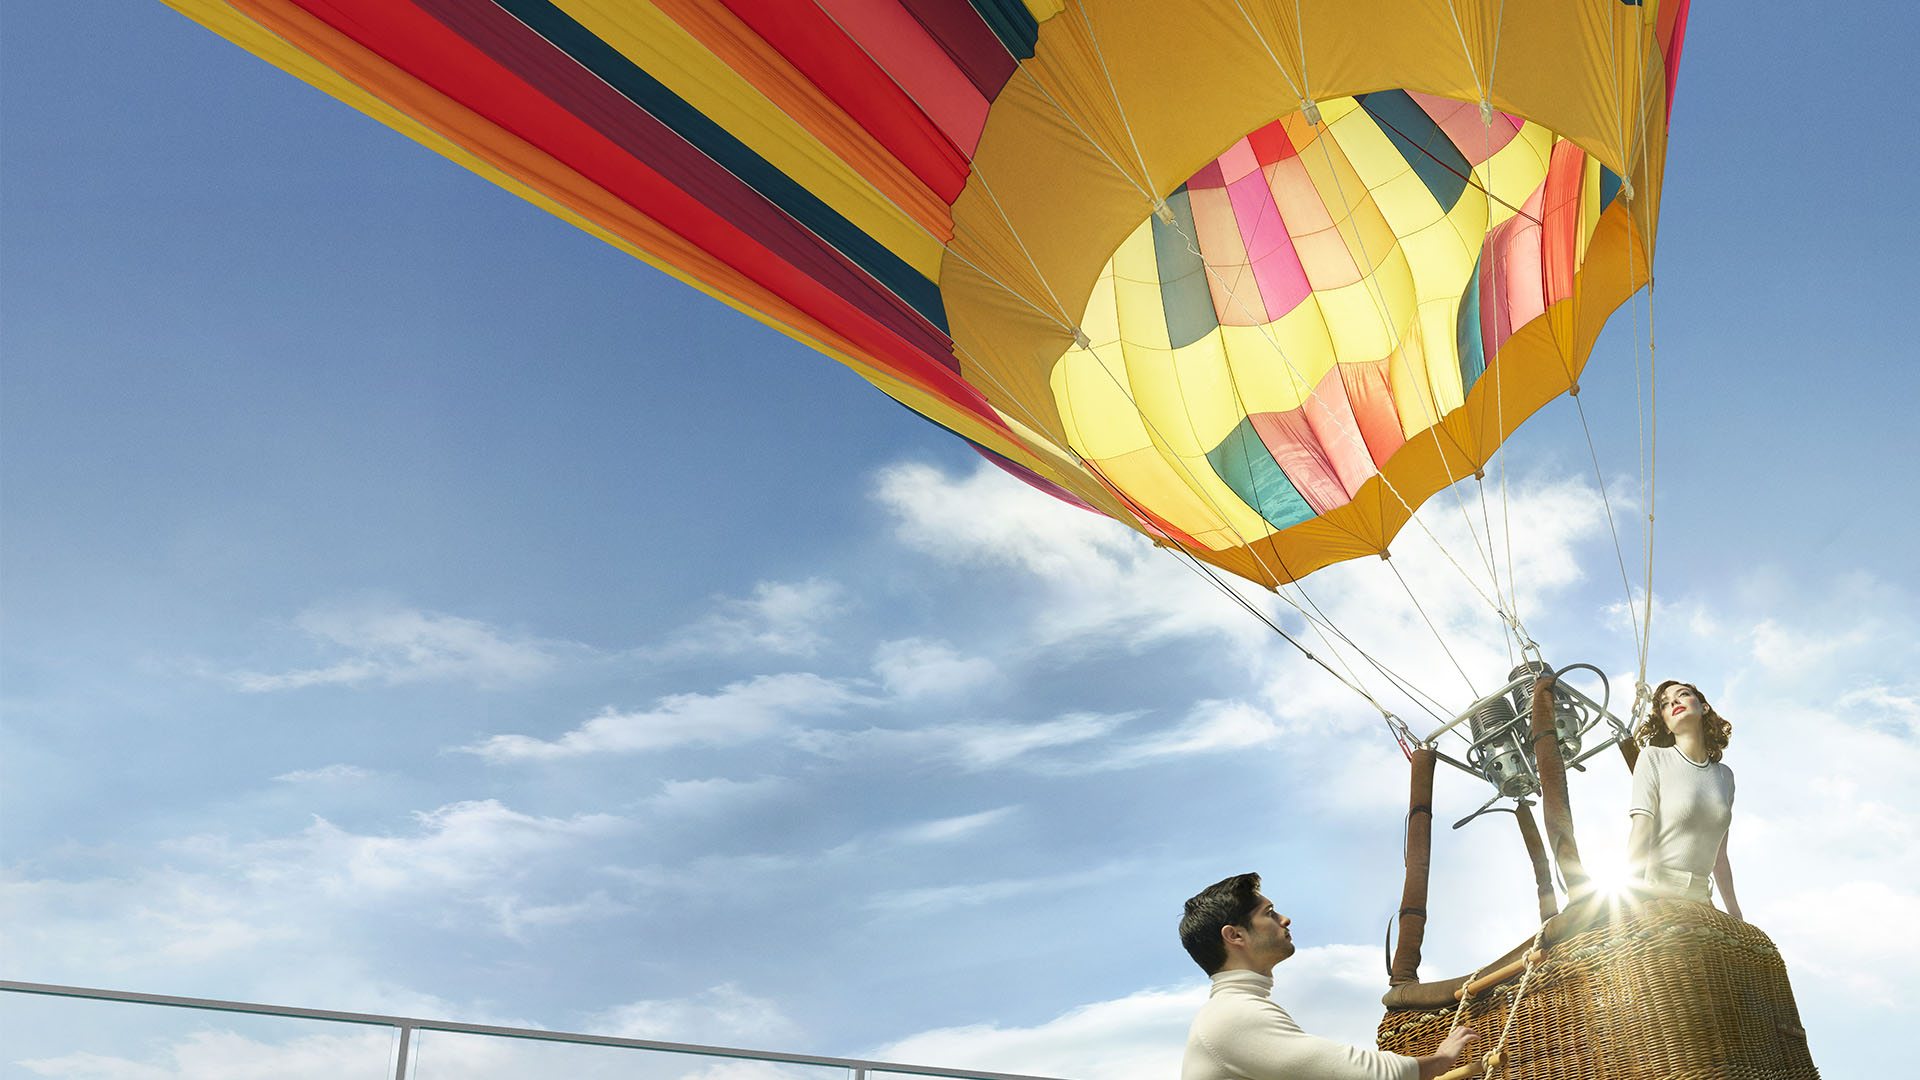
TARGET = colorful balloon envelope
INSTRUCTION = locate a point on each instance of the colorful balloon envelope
(1253, 277)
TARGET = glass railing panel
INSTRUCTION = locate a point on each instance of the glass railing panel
(65, 1037)
(450, 1055)
(884, 1074)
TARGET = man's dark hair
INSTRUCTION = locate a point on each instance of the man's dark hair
(1219, 905)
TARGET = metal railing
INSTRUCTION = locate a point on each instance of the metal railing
(407, 1026)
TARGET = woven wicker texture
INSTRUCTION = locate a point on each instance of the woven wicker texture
(1664, 990)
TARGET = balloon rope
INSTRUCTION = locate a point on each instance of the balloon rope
(1146, 194)
(1641, 695)
(1433, 425)
(1393, 330)
(1114, 92)
(1512, 597)
(1467, 51)
(1262, 38)
(1302, 383)
(1612, 530)
(1486, 522)
(1653, 398)
(1321, 624)
(1308, 386)
(1493, 278)
(1250, 547)
(1063, 320)
(1415, 601)
(1499, 23)
(1066, 318)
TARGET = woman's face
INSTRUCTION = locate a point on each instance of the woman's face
(1681, 707)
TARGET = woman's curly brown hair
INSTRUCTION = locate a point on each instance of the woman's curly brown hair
(1653, 730)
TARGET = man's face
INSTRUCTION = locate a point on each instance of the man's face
(1268, 941)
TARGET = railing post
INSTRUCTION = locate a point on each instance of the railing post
(406, 1038)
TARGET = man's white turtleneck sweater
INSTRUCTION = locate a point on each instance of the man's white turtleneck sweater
(1243, 1034)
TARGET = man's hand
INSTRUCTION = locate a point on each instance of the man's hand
(1449, 1051)
(1455, 1043)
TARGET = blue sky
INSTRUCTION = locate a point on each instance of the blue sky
(414, 605)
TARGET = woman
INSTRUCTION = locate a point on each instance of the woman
(1682, 797)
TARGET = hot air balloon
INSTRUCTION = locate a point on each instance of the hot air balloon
(1254, 277)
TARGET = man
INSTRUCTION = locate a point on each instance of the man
(1236, 936)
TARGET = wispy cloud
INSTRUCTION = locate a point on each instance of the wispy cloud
(723, 1014)
(1137, 1037)
(284, 907)
(691, 798)
(974, 747)
(1211, 727)
(946, 830)
(456, 846)
(231, 1056)
(917, 668)
(1094, 581)
(1895, 711)
(329, 774)
(1065, 745)
(973, 894)
(782, 618)
(739, 713)
(390, 645)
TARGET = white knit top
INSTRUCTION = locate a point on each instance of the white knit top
(1243, 1034)
(1691, 804)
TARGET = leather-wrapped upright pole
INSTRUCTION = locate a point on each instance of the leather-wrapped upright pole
(1554, 806)
(1537, 854)
(1413, 896)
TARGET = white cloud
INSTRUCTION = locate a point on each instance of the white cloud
(1211, 727)
(330, 774)
(721, 1015)
(219, 1054)
(1819, 929)
(273, 906)
(742, 712)
(1096, 581)
(455, 847)
(954, 828)
(405, 645)
(1137, 1037)
(783, 618)
(1786, 649)
(916, 668)
(693, 798)
(1895, 711)
(1098, 578)
(973, 894)
(974, 747)
(226, 1055)
(984, 746)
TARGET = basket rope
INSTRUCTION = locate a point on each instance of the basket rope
(1497, 1056)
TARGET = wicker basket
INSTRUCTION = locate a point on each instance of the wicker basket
(1658, 990)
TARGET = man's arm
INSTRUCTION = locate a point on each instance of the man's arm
(1449, 1052)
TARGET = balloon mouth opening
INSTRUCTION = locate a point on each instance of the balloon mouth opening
(1312, 299)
